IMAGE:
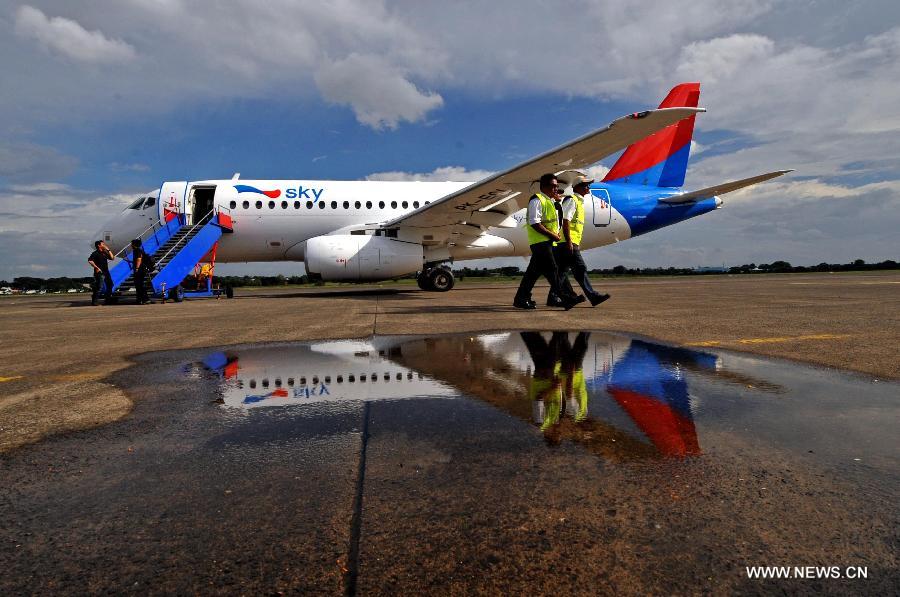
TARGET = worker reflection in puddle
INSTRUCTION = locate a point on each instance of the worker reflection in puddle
(557, 383)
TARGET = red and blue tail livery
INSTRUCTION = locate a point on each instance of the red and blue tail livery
(244, 188)
(661, 159)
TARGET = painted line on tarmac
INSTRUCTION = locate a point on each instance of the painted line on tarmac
(11, 378)
(773, 340)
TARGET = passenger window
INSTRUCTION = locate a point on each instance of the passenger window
(284, 204)
(416, 204)
(405, 204)
(233, 204)
(334, 205)
(309, 205)
(259, 205)
(245, 205)
(381, 205)
(296, 205)
(346, 205)
(357, 205)
(427, 202)
(271, 205)
(322, 205)
(368, 205)
(393, 205)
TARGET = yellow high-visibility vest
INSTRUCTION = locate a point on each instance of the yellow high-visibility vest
(548, 218)
(576, 224)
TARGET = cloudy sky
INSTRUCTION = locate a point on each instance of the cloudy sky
(102, 100)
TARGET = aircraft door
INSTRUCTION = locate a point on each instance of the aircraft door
(200, 203)
(172, 199)
(602, 208)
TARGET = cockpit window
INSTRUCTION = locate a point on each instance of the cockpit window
(151, 201)
(136, 204)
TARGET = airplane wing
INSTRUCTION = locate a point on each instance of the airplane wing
(458, 207)
(721, 189)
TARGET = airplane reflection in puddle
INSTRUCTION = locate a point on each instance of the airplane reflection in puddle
(620, 397)
(283, 375)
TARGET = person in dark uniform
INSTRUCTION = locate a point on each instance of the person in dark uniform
(567, 252)
(99, 260)
(543, 227)
(140, 262)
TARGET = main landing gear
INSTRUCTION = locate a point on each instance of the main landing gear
(436, 279)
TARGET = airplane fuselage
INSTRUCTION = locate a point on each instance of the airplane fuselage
(273, 219)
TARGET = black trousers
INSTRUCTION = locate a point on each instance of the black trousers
(101, 278)
(566, 260)
(140, 285)
(542, 263)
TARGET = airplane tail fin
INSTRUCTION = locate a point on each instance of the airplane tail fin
(661, 159)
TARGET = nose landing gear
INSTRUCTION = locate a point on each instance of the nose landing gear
(436, 279)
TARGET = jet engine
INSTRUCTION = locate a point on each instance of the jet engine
(360, 257)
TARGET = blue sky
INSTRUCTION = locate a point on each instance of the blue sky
(104, 100)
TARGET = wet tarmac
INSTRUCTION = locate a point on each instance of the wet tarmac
(546, 462)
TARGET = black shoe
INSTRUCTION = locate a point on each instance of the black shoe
(554, 303)
(598, 298)
(570, 303)
(524, 304)
(580, 299)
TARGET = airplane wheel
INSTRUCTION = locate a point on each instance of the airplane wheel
(176, 295)
(423, 281)
(441, 279)
(229, 292)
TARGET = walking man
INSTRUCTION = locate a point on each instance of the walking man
(567, 253)
(99, 260)
(542, 225)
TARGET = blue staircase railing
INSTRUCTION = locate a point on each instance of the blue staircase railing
(151, 239)
(180, 260)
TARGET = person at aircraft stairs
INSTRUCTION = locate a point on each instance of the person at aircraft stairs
(99, 260)
(567, 253)
(543, 227)
(142, 265)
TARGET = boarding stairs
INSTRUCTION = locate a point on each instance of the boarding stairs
(176, 248)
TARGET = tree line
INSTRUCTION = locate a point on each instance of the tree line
(63, 284)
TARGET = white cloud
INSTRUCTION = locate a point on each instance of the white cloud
(379, 94)
(135, 167)
(48, 227)
(68, 38)
(442, 174)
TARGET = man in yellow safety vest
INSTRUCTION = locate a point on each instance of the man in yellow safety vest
(567, 253)
(543, 228)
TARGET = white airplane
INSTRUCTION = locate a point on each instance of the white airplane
(371, 230)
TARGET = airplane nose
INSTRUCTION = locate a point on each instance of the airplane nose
(718, 202)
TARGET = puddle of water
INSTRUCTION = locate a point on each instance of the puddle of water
(619, 397)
